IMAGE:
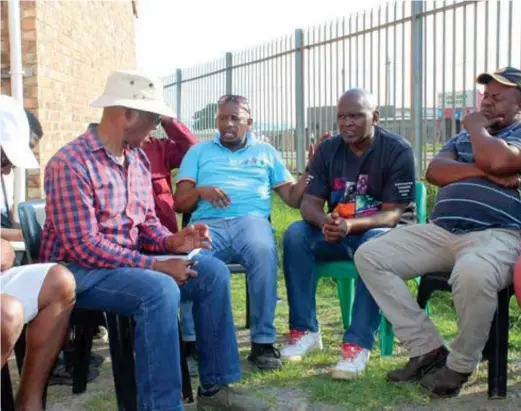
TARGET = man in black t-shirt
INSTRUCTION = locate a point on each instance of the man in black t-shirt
(366, 175)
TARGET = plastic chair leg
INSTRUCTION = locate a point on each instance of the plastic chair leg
(247, 325)
(19, 350)
(346, 295)
(82, 352)
(188, 395)
(428, 310)
(121, 352)
(7, 403)
(386, 338)
(498, 348)
(386, 332)
(423, 297)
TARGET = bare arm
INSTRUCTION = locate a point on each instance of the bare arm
(494, 155)
(444, 170)
(388, 216)
(8, 255)
(312, 210)
(186, 197)
(336, 228)
(292, 193)
(12, 234)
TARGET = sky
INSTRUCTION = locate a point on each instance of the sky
(174, 34)
(458, 43)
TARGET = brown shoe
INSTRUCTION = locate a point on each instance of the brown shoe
(230, 399)
(444, 382)
(418, 367)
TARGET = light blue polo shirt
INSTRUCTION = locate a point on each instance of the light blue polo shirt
(248, 176)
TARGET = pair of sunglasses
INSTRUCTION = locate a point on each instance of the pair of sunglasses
(234, 98)
(156, 118)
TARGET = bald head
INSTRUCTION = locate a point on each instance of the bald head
(357, 115)
(361, 96)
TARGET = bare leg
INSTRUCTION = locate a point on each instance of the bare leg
(45, 336)
(12, 324)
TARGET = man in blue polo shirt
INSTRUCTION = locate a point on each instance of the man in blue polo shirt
(474, 234)
(227, 182)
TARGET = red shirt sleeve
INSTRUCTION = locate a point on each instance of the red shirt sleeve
(183, 138)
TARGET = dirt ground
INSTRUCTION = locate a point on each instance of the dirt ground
(99, 397)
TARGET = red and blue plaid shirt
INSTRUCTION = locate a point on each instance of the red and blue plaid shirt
(99, 213)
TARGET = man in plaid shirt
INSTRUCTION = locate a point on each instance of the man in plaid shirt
(101, 222)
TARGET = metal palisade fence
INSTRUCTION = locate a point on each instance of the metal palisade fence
(420, 60)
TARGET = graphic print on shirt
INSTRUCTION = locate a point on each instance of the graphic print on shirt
(350, 199)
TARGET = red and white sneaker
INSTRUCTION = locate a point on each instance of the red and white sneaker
(300, 344)
(353, 362)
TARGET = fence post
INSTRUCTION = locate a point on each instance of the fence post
(178, 80)
(299, 97)
(417, 82)
(229, 77)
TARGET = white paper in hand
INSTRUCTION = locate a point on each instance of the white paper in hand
(187, 257)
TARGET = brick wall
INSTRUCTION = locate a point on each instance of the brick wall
(72, 46)
(29, 48)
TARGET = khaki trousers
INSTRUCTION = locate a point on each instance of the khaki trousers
(480, 263)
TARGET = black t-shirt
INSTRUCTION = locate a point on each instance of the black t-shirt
(357, 186)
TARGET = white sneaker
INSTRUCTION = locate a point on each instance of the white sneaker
(101, 337)
(353, 362)
(300, 344)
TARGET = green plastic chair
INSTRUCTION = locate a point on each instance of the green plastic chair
(345, 274)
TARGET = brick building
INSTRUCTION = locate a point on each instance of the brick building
(68, 49)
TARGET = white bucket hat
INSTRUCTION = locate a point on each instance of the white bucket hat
(15, 133)
(134, 90)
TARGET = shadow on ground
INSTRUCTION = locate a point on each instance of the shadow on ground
(100, 392)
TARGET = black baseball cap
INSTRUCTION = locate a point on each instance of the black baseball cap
(508, 76)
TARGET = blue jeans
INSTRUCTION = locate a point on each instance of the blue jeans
(304, 245)
(152, 299)
(247, 241)
(187, 321)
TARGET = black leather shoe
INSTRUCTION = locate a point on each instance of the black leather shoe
(444, 382)
(418, 367)
(265, 357)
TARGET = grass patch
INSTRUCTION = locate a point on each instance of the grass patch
(309, 381)
(102, 402)
(312, 375)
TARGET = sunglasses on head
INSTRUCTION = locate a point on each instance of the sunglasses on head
(234, 98)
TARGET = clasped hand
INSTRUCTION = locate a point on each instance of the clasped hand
(335, 228)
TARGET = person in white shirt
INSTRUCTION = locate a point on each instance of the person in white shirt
(39, 295)
(10, 230)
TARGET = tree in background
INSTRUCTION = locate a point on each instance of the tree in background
(204, 119)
